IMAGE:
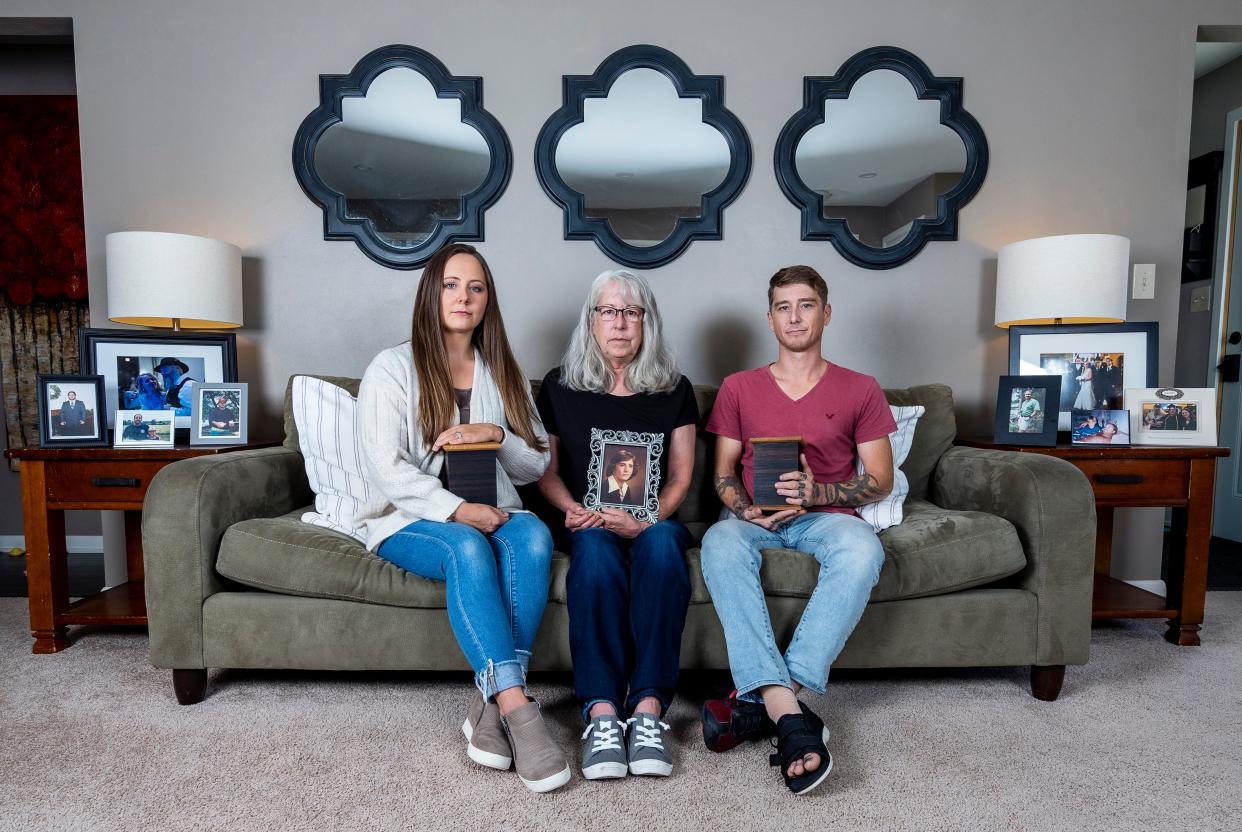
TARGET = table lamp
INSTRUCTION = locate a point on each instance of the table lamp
(176, 281)
(1066, 279)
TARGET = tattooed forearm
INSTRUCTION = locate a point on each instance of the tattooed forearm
(859, 491)
(732, 493)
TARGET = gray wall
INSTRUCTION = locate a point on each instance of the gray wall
(1216, 94)
(188, 112)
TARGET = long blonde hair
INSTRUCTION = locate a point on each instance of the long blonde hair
(435, 383)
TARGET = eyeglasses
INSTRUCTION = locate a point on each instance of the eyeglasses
(633, 314)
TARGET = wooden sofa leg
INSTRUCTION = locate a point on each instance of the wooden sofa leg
(1046, 681)
(190, 685)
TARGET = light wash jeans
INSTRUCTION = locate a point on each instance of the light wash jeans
(496, 587)
(850, 557)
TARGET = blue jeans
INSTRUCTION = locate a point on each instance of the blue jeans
(627, 604)
(850, 557)
(496, 588)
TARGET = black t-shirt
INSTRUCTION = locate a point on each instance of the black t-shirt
(570, 415)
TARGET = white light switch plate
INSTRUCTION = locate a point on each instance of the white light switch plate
(1144, 281)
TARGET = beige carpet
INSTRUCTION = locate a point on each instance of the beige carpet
(1146, 736)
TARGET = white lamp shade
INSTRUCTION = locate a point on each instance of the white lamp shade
(162, 280)
(1070, 279)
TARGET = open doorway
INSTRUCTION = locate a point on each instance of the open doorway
(1209, 341)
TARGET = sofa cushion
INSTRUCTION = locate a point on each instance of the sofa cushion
(887, 512)
(349, 385)
(933, 551)
(936, 431)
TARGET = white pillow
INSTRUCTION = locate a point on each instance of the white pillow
(887, 512)
(331, 446)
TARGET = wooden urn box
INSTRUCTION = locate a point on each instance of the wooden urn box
(472, 471)
(774, 455)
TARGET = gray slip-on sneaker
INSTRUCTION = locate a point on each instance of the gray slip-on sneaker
(647, 746)
(603, 749)
(487, 743)
(540, 764)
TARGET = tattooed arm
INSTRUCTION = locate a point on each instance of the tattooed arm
(876, 481)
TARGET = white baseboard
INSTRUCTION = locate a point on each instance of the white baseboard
(1156, 587)
(74, 543)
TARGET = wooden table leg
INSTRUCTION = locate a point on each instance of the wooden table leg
(133, 546)
(47, 576)
(1187, 581)
(1104, 540)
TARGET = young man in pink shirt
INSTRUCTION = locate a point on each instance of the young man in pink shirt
(842, 416)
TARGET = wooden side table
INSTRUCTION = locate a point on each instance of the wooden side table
(1147, 475)
(55, 480)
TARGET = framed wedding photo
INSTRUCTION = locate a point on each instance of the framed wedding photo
(157, 370)
(1096, 362)
(143, 429)
(625, 472)
(219, 415)
(1027, 410)
(1173, 415)
(70, 414)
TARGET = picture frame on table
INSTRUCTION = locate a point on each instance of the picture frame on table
(72, 411)
(1027, 410)
(624, 472)
(1096, 362)
(1100, 427)
(143, 429)
(220, 414)
(156, 370)
(1172, 416)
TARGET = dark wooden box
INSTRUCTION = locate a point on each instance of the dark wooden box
(472, 471)
(774, 455)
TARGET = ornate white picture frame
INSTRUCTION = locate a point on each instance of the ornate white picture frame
(625, 472)
(1172, 415)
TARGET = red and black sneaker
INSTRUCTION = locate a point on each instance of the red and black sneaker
(729, 722)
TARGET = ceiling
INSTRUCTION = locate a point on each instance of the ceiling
(1212, 56)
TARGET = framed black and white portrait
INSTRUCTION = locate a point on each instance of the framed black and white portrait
(625, 472)
(70, 412)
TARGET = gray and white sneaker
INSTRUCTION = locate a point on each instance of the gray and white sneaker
(603, 752)
(487, 743)
(647, 746)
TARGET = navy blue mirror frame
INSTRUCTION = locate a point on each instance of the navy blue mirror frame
(576, 89)
(337, 225)
(926, 86)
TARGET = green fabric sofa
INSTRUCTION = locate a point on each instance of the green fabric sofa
(992, 566)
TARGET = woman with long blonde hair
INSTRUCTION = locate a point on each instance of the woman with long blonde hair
(456, 382)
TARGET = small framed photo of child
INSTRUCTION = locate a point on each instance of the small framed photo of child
(624, 472)
(219, 414)
(1099, 427)
(70, 412)
(143, 429)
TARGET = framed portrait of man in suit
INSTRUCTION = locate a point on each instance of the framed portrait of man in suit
(624, 472)
(71, 414)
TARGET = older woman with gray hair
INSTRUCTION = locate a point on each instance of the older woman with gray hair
(628, 588)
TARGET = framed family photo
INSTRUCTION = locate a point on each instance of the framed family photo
(1173, 415)
(219, 415)
(143, 429)
(157, 370)
(69, 412)
(1027, 410)
(1100, 427)
(1096, 362)
(625, 472)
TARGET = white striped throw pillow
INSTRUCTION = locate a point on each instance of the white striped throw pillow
(888, 512)
(332, 449)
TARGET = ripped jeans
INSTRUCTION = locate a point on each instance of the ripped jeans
(496, 587)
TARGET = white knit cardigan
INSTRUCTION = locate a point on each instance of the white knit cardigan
(399, 459)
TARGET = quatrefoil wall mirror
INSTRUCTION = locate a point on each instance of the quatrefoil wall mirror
(643, 156)
(881, 157)
(401, 156)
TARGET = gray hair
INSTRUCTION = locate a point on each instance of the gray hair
(653, 370)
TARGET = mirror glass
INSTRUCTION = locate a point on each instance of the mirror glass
(880, 158)
(402, 157)
(642, 157)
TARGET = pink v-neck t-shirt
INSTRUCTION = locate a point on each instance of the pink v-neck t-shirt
(843, 410)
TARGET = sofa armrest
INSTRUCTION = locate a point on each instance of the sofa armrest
(1050, 503)
(189, 505)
